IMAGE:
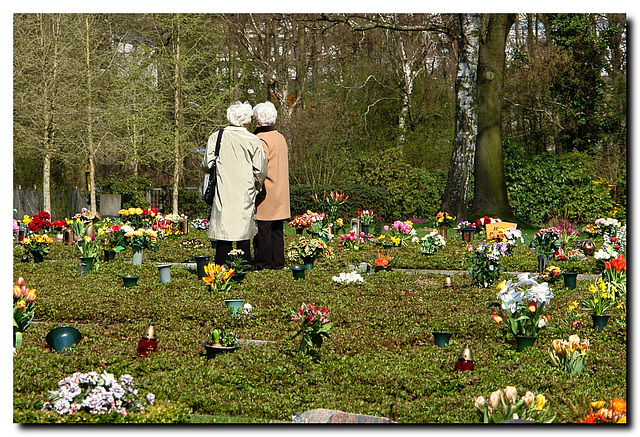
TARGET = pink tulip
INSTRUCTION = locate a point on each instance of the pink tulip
(20, 281)
(385, 227)
(17, 293)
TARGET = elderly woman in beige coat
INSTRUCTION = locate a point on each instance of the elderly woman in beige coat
(241, 170)
(273, 208)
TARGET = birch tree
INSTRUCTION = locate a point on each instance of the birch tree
(458, 188)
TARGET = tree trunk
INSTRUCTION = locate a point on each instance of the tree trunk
(90, 145)
(458, 188)
(490, 189)
(177, 82)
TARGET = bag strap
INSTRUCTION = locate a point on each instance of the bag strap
(217, 151)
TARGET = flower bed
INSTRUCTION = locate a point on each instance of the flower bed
(381, 333)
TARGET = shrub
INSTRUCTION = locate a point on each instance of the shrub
(549, 185)
(133, 190)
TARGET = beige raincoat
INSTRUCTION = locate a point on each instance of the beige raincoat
(241, 170)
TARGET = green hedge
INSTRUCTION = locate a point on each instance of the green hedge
(565, 186)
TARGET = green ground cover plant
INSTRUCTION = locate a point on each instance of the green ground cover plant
(380, 352)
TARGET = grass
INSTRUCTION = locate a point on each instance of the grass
(380, 353)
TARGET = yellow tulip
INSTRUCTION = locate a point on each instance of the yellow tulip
(540, 402)
(597, 404)
(501, 285)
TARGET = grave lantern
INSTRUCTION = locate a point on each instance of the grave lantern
(447, 283)
(467, 234)
(148, 342)
(465, 361)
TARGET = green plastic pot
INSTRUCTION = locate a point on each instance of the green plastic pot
(130, 280)
(235, 305)
(441, 338)
(63, 337)
(298, 271)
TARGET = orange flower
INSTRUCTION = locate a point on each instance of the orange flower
(591, 418)
(618, 405)
(496, 318)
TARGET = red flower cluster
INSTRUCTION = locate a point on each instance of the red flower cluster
(617, 263)
(486, 220)
(59, 225)
(40, 222)
(308, 314)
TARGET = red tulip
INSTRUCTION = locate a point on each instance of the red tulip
(496, 318)
(532, 306)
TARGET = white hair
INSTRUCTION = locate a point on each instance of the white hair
(239, 114)
(265, 113)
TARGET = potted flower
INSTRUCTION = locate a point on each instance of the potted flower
(217, 277)
(37, 246)
(39, 223)
(523, 304)
(550, 274)
(306, 250)
(352, 241)
(348, 278)
(139, 239)
(219, 340)
(545, 242)
(319, 229)
(200, 224)
(88, 247)
(398, 234)
(95, 393)
(504, 405)
(314, 325)
(23, 310)
(484, 261)
(238, 264)
(366, 219)
(431, 242)
(569, 355)
(383, 261)
(330, 203)
(58, 227)
(600, 300)
(138, 217)
(300, 223)
(615, 273)
(111, 238)
(444, 220)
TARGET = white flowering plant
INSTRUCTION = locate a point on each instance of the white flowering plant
(96, 393)
(524, 303)
(507, 405)
(431, 242)
(348, 278)
(484, 262)
(200, 224)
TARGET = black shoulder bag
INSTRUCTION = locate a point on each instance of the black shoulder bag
(210, 192)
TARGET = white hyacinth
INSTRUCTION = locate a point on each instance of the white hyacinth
(348, 278)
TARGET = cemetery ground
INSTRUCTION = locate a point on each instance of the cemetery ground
(380, 359)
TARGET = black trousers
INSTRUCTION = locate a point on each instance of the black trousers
(223, 248)
(268, 245)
